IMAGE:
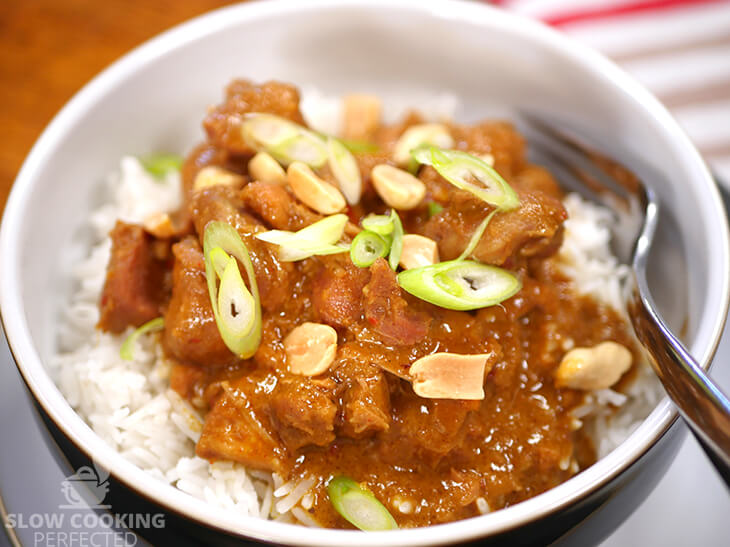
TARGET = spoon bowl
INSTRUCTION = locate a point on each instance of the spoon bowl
(704, 407)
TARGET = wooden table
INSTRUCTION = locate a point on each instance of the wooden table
(50, 48)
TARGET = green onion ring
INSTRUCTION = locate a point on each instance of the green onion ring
(413, 166)
(434, 208)
(359, 506)
(396, 247)
(296, 253)
(260, 129)
(305, 147)
(457, 167)
(283, 139)
(380, 224)
(159, 165)
(354, 146)
(460, 284)
(360, 147)
(476, 236)
(367, 247)
(127, 348)
(236, 306)
(242, 337)
(328, 230)
(220, 259)
(345, 169)
(318, 238)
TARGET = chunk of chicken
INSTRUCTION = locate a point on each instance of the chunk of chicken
(223, 123)
(238, 429)
(388, 312)
(191, 334)
(134, 289)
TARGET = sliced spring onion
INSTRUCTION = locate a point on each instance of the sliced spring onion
(413, 166)
(360, 147)
(460, 284)
(354, 146)
(292, 247)
(267, 130)
(434, 208)
(159, 165)
(318, 238)
(424, 134)
(291, 254)
(396, 246)
(367, 247)
(235, 306)
(283, 139)
(305, 147)
(469, 173)
(359, 506)
(344, 168)
(219, 258)
(476, 236)
(327, 230)
(380, 224)
(237, 310)
(127, 349)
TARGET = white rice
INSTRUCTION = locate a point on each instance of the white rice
(129, 403)
(586, 258)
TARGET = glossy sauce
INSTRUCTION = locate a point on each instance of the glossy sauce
(427, 460)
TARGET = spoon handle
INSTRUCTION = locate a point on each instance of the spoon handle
(705, 408)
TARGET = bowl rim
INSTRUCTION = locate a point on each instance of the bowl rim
(170, 498)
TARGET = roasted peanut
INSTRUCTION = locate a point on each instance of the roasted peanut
(418, 251)
(310, 348)
(598, 367)
(212, 175)
(398, 189)
(361, 116)
(159, 225)
(264, 168)
(435, 134)
(450, 376)
(313, 191)
(486, 158)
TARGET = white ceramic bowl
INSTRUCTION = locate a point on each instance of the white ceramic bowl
(154, 99)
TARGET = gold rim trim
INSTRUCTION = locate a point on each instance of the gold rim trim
(9, 531)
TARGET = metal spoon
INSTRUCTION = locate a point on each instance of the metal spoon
(704, 407)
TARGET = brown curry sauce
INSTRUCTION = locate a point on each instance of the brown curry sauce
(427, 460)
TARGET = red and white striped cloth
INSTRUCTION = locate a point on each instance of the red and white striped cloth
(679, 49)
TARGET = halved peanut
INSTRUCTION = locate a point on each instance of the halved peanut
(418, 251)
(313, 191)
(212, 175)
(361, 116)
(486, 158)
(398, 189)
(264, 168)
(434, 134)
(598, 367)
(159, 225)
(310, 348)
(450, 376)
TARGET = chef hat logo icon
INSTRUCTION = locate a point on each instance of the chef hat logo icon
(86, 488)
